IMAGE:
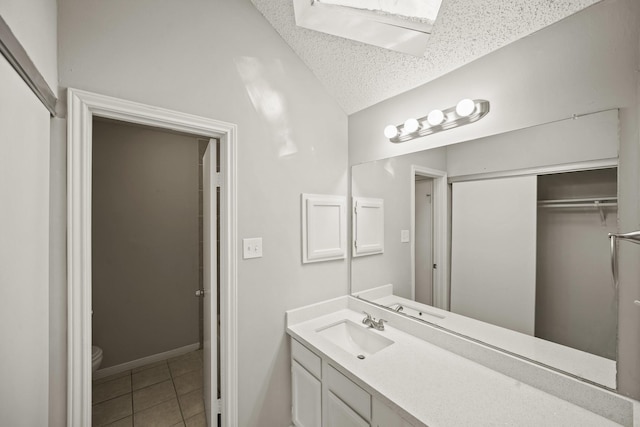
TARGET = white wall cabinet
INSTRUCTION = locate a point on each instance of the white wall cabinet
(324, 227)
(368, 226)
(324, 397)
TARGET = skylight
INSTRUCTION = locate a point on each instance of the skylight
(401, 25)
(422, 10)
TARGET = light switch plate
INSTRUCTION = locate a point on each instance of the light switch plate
(404, 236)
(252, 248)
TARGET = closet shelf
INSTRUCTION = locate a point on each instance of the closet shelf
(593, 202)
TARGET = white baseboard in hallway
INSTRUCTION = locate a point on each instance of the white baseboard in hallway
(111, 370)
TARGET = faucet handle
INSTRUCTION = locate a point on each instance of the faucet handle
(379, 324)
(367, 319)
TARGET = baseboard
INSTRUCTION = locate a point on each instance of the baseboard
(111, 370)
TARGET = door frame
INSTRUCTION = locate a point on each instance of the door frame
(440, 218)
(82, 107)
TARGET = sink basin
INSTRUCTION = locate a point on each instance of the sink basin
(354, 338)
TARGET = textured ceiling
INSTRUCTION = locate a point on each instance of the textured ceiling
(360, 75)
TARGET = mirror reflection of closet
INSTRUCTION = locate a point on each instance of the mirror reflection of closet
(541, 271)
(576, 302)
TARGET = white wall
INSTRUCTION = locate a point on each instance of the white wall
(585, 63)
(221, 59)
(24, 251)
(587, 138)
(34, 24)
(582, 64)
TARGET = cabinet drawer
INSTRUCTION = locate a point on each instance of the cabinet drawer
(350, 393)
(306, 358)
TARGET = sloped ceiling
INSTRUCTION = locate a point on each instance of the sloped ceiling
(360, 75)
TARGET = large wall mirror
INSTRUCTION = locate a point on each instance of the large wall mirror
(504, 239)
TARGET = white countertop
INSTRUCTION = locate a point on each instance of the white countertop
(434, 386)
(582, 364)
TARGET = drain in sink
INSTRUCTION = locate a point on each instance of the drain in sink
(361, 356)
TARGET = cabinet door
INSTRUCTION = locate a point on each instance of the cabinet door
(383, 416)
(306, 397)
(338, 414)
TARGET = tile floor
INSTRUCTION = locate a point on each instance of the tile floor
(166, 393)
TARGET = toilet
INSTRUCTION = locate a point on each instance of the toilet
(96, 358)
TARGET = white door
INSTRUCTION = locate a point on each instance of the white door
(493, 251)
(210, 267)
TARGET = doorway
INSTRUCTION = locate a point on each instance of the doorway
(148, 242)
(429, 230)
(82, 108)
(424, 265)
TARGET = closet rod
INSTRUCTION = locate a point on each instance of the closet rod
(591, 202)
(578, 205)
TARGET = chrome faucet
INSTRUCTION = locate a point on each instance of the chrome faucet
(371, 322)
(398, 307)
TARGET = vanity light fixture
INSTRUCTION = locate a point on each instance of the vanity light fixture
(435, 118)
(411, 126)
(465, 112)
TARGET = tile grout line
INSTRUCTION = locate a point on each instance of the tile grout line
(176, 391)
(131, 391)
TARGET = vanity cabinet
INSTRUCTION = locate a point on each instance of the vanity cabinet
(324, 397)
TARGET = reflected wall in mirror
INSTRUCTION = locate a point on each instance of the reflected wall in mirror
(524, 216)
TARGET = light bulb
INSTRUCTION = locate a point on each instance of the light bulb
(465, 107)
(411, 125)
(391, 131)
(435, 117)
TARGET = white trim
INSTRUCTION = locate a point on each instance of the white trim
(82, 106)
(440, 234)
(116, 369)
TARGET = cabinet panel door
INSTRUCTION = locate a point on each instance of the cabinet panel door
(338, 414)
(306, 397)
(383, 416)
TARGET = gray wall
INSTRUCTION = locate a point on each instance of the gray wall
(390, 179)
(585, 63)
(221, 59)
(145, 241)
(24, 219)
